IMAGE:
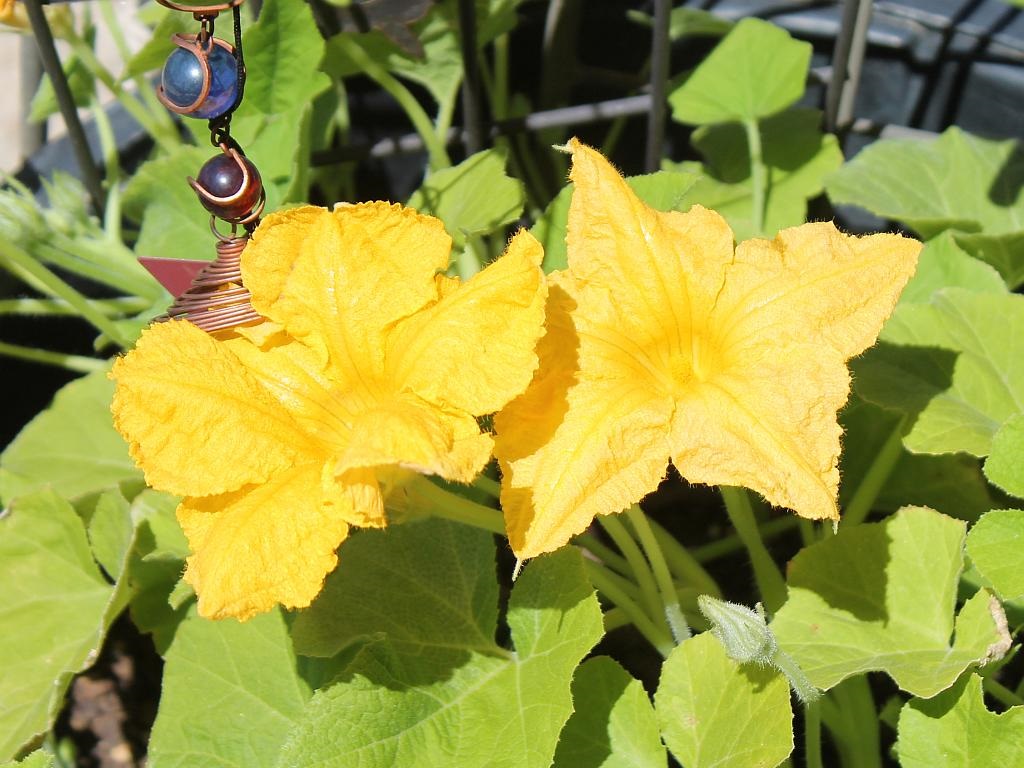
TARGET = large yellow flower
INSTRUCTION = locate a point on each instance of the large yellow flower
(371, 363)
(664, 342)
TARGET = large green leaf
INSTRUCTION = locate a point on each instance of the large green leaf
(55, 607)
(797, 156)
(996, 547)
(230, 693)
(1005, 464)
(944, 264)
(174, 223)
(475, 197)
(37, 759)
(959, 182)
(955, 366)
(663, 190)
(613, 725)
(71, 446)
(954, 729)
(715, 712)
(436, 689)
(882, 597)
(755, 71)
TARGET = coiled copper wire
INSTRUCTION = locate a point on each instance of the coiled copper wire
(217, 300)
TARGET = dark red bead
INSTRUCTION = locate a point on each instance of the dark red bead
(222, 177)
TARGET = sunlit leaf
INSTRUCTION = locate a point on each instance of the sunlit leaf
(714, 712)
(1005, 464)
(955, 729)
(756, 71)
(955, 366)
(613, 725)
(882, 596)
(70, 447)
(797, 156)
(475, 197)
(944, 264)
(959, 182)
(996, 547)
(54, 604)
(451, 694)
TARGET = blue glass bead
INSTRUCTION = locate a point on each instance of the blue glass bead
(182, 80)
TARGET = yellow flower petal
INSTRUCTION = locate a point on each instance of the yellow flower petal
(263, 545)
(196, 420)
(474, 349)
(410, 433)
(661, 339)
(576, 445)
(337, 281)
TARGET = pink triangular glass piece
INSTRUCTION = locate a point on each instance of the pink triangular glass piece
(176, 275)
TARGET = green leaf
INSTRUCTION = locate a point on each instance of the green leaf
(71, 446)
(756, 71)
(882, 597)
(996, 547)
(451, 695)
(437, 588)
(955, 366)
(944, 264)
(663, 190)
(473, 198)
(158, 46)
(80, 81)
(156, 562)
(959, 182)
(1005, 464)
(687, 22)
(54, 609)
(954, 729)
(230, 693)
(110, 529)
(37, 759)
(613, 725)
(715, 712)
(949, 483)
(174, 223)
(798, 157)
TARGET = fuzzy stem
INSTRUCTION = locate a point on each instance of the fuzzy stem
(769, 580)
(662, 576)
(758, 175)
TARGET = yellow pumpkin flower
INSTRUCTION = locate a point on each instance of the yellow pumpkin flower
(664, 342)
(371, 363)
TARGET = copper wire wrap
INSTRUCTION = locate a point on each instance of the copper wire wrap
(217, 300)
(201, 10)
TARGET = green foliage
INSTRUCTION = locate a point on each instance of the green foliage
(955, 729)
(955, 366)
(71, 447)
(958, 182)
(715, 712)
(756, 71)
(881, 597)
(613, 725)
(996, 547)
(797, 156)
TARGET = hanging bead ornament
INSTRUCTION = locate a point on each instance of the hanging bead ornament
(205, 78)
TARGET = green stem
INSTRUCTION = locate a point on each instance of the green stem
(605, 555)
(855, 731)
(655, 635)
(58, 288)
(812, 735)
(662, 576)
(499, 93)
(488, 485)
(758, 174)
(802, 687)
(684, 565)
(766, 573)
(874, 480)
(450, 506)
(107, 307)
(77, 363)
(416, 114)
(638, 564)
(1001, 693)
(112, 168)
(727, 545)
